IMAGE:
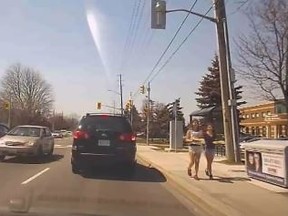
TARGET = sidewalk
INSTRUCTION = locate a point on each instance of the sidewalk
(230, 193)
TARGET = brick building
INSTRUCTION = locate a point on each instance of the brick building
(268, 119)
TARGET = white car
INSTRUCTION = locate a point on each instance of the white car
(27, 140)
(57, 134)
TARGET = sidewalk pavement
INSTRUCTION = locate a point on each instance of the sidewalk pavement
(230, 193)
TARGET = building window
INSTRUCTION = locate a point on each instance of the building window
(247, 116)
(247, 130)
(257, 115)
(257, 131)
(253, 131)
(253, 115)
(268, 113)
(264, 131)
(280, 108)
(263, 114)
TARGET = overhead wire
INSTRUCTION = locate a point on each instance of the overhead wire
(141, 12)
(168, 46)
(180, 45)
(134, 25)
(147, 34)
(130, 32)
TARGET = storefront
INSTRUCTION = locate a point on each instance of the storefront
(265, 120)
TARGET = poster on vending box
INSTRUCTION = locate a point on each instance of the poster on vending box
(266, 166)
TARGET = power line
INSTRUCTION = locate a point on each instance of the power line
(178, 48)
(242, 4)
(170, 43)
(139, 21)
(134, 24)
(128, 38)
(168, 46)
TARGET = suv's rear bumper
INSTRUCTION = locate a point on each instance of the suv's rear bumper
(120, 156)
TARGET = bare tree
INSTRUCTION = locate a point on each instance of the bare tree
(29, 92)
(263, 54)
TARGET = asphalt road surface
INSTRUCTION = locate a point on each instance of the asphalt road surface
(49, 187)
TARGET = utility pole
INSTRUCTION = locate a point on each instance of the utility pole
(175, 125)
(9, 111)
(220, 14)
(131, 109)
(53, 120)
(233, 99)
(148, 113)
(121, 93)
(158, 21)
(114, 107)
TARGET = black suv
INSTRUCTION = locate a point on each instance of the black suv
(103, 139)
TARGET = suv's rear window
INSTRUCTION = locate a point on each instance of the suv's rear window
(112, 123)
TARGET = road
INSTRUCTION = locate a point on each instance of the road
(51, 188)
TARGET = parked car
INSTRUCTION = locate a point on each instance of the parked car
(245, 137)
(27, 140)
(64, 133)
(57, 134)
(3, 129)
(103, 139)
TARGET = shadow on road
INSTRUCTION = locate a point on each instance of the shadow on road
(34, 160)
(227, 179)
(141, 173)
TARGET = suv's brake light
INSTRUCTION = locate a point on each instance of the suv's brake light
(78, 134)
(128, 137)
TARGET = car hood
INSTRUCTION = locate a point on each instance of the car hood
(17, 139)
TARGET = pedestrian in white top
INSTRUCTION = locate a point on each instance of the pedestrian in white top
(194, 138)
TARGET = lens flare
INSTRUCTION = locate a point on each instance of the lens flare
(94, 22)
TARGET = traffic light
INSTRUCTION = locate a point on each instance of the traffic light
(6, 105)
(142, 89)
(129, 104)
(158, 14)
(174, 109)
(99, 105)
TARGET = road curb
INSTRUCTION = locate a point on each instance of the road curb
(207, 204)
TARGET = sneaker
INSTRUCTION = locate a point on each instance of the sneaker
(206, 172)
(210, 176)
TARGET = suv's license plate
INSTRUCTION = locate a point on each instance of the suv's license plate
(104, 142)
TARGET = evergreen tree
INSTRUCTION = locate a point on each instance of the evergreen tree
(209, 92)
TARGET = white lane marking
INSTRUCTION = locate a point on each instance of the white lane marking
(62, 147)
(35, 176)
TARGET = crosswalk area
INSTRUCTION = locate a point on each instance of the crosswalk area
(58, 146)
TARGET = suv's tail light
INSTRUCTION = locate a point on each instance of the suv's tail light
(128, 137)
(78, 134)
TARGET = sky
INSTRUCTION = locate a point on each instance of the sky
(81, 46)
